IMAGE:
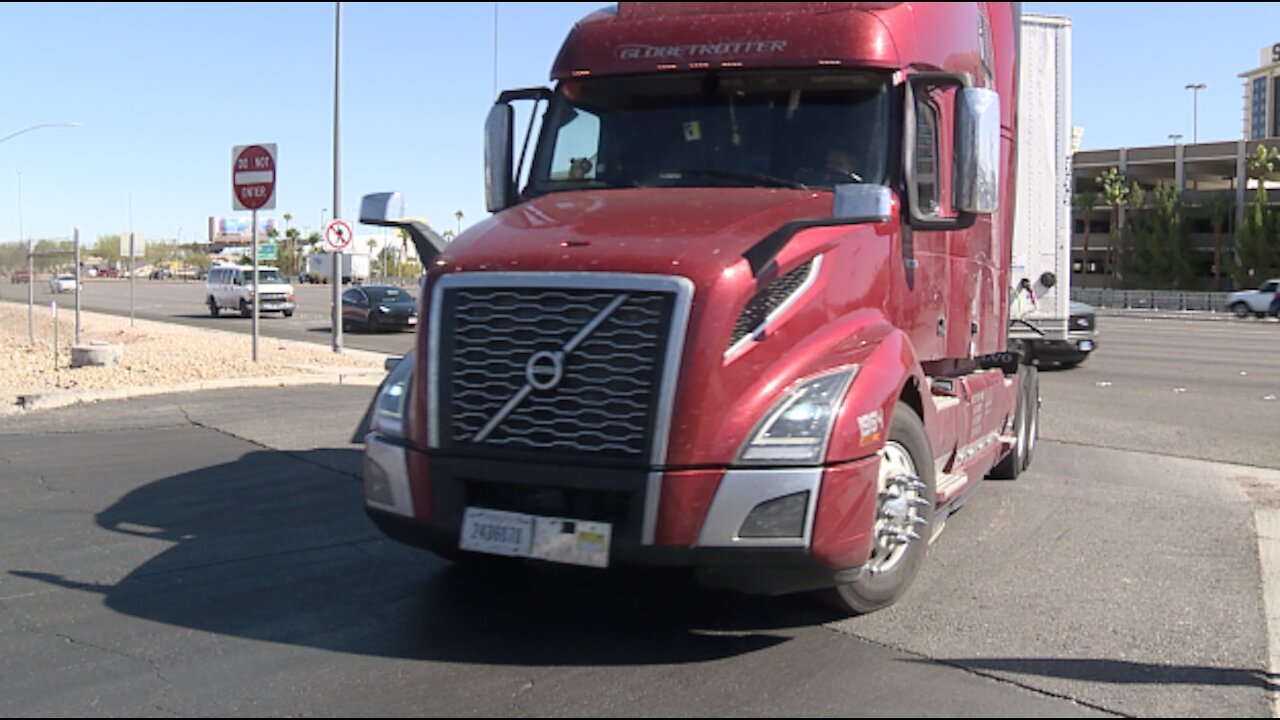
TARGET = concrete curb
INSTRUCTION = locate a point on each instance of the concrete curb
(365, 377)
(1267, 523)
(1197, 315)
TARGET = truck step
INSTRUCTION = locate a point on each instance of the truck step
(950, 486)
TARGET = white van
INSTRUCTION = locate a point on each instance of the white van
(231, 287)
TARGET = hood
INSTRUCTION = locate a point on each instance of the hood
(698, 230)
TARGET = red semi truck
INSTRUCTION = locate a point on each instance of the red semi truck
(745, 310)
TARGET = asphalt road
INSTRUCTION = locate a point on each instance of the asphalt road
(206, 554)
(183, 302)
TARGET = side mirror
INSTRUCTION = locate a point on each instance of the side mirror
(863, 203)
(499, 185)
(977, 143)
(500, 168)
(387, 210)
(975, 136)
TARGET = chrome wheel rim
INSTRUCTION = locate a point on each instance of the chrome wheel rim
(898, 518)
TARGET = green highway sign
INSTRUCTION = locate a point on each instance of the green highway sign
(267, 251)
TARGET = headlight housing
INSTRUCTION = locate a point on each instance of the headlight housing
(393, 396)
(797, 428)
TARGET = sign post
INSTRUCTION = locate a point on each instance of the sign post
(337, 236)
(253, 187)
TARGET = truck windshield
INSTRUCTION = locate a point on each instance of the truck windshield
(800, 129)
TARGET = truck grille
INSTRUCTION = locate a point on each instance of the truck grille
(577, 371)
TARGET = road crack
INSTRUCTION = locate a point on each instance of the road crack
(982, 673)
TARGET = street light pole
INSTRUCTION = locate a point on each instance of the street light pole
(31, 299)
(336, 336)
(1195, 89)
(10, 136)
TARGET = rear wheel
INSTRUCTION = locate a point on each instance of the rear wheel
(1241, 310)
(904, 511)
(1026, 426)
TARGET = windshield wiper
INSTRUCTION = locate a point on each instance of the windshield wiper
(753, 178)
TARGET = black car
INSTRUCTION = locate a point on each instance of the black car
(375, 307)
(1082, 339)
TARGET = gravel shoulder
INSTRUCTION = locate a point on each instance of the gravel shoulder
(157, 357)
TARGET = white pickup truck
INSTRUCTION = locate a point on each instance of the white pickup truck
(1257, 301)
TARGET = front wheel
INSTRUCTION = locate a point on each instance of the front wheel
(904, 512)
(213, 307)
(1241, 310)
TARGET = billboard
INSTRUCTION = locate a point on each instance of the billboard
(225, 229)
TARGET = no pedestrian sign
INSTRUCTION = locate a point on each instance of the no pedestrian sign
(253, 177)
(337, 235)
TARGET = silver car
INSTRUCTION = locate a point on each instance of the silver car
(62, 282)
(1257, 302)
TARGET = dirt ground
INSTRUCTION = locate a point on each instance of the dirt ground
(154, 354)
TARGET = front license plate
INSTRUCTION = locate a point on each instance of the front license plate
(561, 540)
(496, 532)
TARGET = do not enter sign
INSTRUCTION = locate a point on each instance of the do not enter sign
(253, 177)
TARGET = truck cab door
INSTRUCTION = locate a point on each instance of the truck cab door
(951, 161)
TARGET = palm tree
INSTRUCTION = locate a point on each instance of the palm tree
(1115, 194)
(1264, 161)
(458, 214)
(1083, 204)
(1218, 207)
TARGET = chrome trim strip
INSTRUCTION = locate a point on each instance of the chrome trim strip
(741, 346)
(393, 461)
(741, 491)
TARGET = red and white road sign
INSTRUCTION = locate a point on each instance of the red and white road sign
(253, 177)
(337, 234)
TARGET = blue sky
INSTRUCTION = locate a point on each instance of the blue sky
(163, 92)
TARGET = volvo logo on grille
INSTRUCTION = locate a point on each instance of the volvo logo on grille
(544, 370)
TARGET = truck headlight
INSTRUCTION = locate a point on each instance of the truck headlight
(389, 406)
(798, 426)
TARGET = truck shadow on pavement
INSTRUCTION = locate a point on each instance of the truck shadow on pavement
(1118, 672)
(275, 547)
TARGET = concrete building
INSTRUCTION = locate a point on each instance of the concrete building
(1198, 170)
(1262, 96)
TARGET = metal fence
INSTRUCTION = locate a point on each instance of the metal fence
(1152, 299)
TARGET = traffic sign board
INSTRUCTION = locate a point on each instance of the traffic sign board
(253, 177)
(267, 252)
(337, 234)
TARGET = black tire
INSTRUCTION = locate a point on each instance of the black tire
(288, 313)
(213, 307)
(1026, 427)
(1241, 310)
(372, 325)
(903, 506)
(245, 309)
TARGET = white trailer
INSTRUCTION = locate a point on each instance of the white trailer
(1042, 218)
(355, 268)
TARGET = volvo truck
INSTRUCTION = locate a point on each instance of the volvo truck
(742, 306)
